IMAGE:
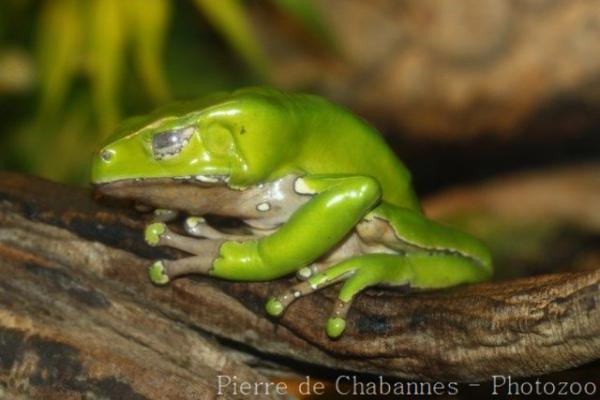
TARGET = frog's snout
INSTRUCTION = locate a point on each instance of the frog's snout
(103, 163)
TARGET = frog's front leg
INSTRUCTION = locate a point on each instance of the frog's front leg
(205, 249)
(198, 227)
(338, 202)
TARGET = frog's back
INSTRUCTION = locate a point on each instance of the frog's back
(335, 141)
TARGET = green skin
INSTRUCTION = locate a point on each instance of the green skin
(255, 136)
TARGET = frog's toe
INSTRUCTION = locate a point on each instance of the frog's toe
(158, 274)
(153, 233)
(335, 327)
(193, 225)
(277, 305)
(274, 307)
(164, 215)
(304, 273)
(311, 270)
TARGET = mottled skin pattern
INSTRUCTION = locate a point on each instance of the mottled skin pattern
(322, 192)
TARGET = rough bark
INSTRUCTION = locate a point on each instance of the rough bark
(71, 326)
(79, 315)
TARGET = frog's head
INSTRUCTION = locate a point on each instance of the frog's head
(221, 137)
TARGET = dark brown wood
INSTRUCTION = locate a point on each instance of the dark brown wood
(77, 314)
(72, 327)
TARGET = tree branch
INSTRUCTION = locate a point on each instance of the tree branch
(78, 310)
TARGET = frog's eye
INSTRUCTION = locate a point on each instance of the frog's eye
(167, 144)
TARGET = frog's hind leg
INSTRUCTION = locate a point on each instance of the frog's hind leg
(407, 231)
(358, 272)
(418, 270)
(313, 269)
(276, 305)
(423, 270)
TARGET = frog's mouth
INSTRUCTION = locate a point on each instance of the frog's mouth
(123, 187)
(189, 194)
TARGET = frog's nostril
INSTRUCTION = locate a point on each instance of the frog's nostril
(107, 155)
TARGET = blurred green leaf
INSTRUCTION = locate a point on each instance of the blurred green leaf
(90, 58)
(11, 11)
(229, 17)
(149, 31)
(58, 48)
(106, 59)
(69, 139)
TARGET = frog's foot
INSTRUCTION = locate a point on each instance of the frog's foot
(162, 271)
(276, 305)
(358, 273)
(164, 215)
(197, 226)
(419, 269)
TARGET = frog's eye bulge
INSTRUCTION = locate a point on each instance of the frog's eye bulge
(217, 139)
(169, 143)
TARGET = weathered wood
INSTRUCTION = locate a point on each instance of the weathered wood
(566, 194)
(68, 329)
(78, 314)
